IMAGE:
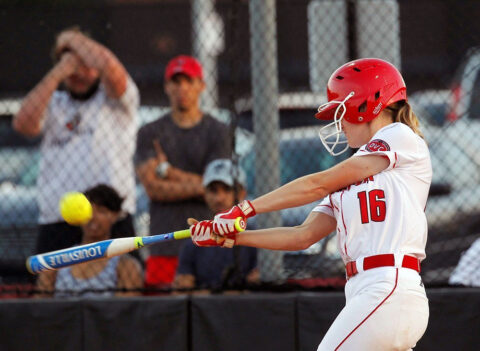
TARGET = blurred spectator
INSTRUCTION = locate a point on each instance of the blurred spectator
(467, 272)
(171, 156)
(88, 128)
(216, 267)
(100, 277)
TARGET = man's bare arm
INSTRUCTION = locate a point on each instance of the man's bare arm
(178, 185)
(28, 120)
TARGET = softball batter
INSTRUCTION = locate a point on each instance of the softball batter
(375, 201)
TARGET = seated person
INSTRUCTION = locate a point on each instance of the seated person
(467, 272)
(116, 276)
(216, 267)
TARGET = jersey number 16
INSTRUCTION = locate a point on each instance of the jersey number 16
(372, 205)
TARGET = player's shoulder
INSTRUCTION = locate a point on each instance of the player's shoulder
(396, 130)
(394, 136)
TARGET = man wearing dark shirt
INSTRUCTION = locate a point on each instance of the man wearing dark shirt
(172, 153)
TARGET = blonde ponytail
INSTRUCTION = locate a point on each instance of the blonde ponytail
(402, 112)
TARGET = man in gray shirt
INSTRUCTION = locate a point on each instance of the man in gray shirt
(172, 153)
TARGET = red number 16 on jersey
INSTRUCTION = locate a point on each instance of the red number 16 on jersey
(373, 201)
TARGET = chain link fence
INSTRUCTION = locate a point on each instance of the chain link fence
(265, 66)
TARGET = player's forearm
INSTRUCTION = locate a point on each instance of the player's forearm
(299, 192)
(316, 186)
(282, 238)
(93, 54)
(28, 119)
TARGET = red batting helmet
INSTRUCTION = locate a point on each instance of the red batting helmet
(358, 91)
(375, 84)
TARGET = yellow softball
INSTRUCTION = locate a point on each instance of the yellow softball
(75, 208)
(240, 224)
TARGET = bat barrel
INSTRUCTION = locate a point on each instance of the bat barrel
(67, 257)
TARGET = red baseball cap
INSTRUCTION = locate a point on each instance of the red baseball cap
(184, 64)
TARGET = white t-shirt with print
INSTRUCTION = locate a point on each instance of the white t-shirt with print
(86, 143)
(385, 213)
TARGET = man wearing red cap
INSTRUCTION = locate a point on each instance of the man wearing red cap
(172, 153)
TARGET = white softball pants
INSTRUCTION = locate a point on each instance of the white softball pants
(386, 309)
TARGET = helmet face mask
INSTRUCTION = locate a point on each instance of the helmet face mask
(360, 90)
(332, 135)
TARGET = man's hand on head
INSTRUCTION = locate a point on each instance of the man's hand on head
(68, 64)
(65, 38)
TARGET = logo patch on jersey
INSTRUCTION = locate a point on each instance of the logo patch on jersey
(377, 145)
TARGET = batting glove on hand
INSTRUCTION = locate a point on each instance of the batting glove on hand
(202, 235)
(227, 223)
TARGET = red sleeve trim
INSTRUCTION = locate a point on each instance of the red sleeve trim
(396, 159)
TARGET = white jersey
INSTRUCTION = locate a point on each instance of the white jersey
(385, 213)
(86, 143)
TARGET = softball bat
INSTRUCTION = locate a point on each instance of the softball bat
(107, 248)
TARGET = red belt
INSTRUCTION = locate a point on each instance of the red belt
(387, 260)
